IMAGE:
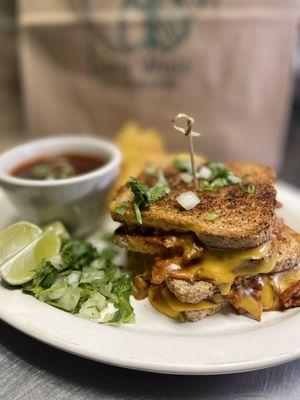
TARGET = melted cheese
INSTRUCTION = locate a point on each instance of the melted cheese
(159, 302)
(248, 303)
(284, 280)
(222, 267)
(269, 298)
(266, 299)
(269, 294)
(166, 303)
(177, 305)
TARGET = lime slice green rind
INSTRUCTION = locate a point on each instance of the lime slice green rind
(16, 237)
(21, 268)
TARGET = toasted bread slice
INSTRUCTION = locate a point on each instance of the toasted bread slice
(288, 244)
(288, 251)
(140, 244)
(194, 316)
(288, 256)
(244, 220)
(191, 292)
(159, 244)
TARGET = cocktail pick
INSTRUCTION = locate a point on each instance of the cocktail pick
(188, 132)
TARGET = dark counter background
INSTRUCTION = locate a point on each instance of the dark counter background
(291, 165)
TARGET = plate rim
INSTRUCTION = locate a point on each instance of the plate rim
(156, 367)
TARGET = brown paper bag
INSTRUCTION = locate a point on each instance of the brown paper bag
(88, 66)
(10, 113)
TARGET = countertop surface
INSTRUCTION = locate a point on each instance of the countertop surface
(30, 370)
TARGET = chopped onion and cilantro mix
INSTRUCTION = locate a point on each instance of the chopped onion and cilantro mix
(86, 282)
(214, 175)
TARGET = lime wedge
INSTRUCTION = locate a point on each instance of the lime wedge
(59, 229)
(17, 236)
(21, 268)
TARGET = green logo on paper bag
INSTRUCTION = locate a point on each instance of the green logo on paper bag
(151, 30)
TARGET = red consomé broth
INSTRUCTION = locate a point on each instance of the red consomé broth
(59, 166)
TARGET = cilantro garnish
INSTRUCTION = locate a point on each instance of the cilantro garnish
(181, 317)
(138, 213)
(211, 217)
(77, 253)
(86, 282)
(221, 176)
(144, 196)
(121, 209)
(182, 165)
(214, 175)
(250, 188)
(218, 170)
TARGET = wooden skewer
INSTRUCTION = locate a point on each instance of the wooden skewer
(188, 132)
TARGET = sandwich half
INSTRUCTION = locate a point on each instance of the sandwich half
(197, 251)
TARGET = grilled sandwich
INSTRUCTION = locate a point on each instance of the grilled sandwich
(227, 248)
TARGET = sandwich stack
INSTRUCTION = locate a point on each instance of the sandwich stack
(200, 251)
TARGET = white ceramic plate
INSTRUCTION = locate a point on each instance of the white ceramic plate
(223, 343)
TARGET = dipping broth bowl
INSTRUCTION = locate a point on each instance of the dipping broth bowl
(80, 202)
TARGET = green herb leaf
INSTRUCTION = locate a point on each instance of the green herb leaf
(211, 186)
(220, 176)
(41, 171)
(181, 317)
(45, 275)
(157, 192)
(218, 170)
(211, 217)
(77, 253)
(143, 195)
(182, 165)
(249, 188)
(140, 191)
(121, 209)
(138, 213)
(122, 288)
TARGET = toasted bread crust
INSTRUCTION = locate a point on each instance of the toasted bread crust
(194, 316)
(288, 256)
(288, 251)
(155, 243)
(140, 244)
(191, 292)
(244, 220)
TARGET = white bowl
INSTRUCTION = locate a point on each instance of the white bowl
(79, 202)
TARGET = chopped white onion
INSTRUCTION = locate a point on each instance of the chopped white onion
(234, 179)
(204, 173)
(56, 261)
(73, 277)
(219, 164)
(163, 181)
(188, 200)
(186, 177)
(219, 182)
